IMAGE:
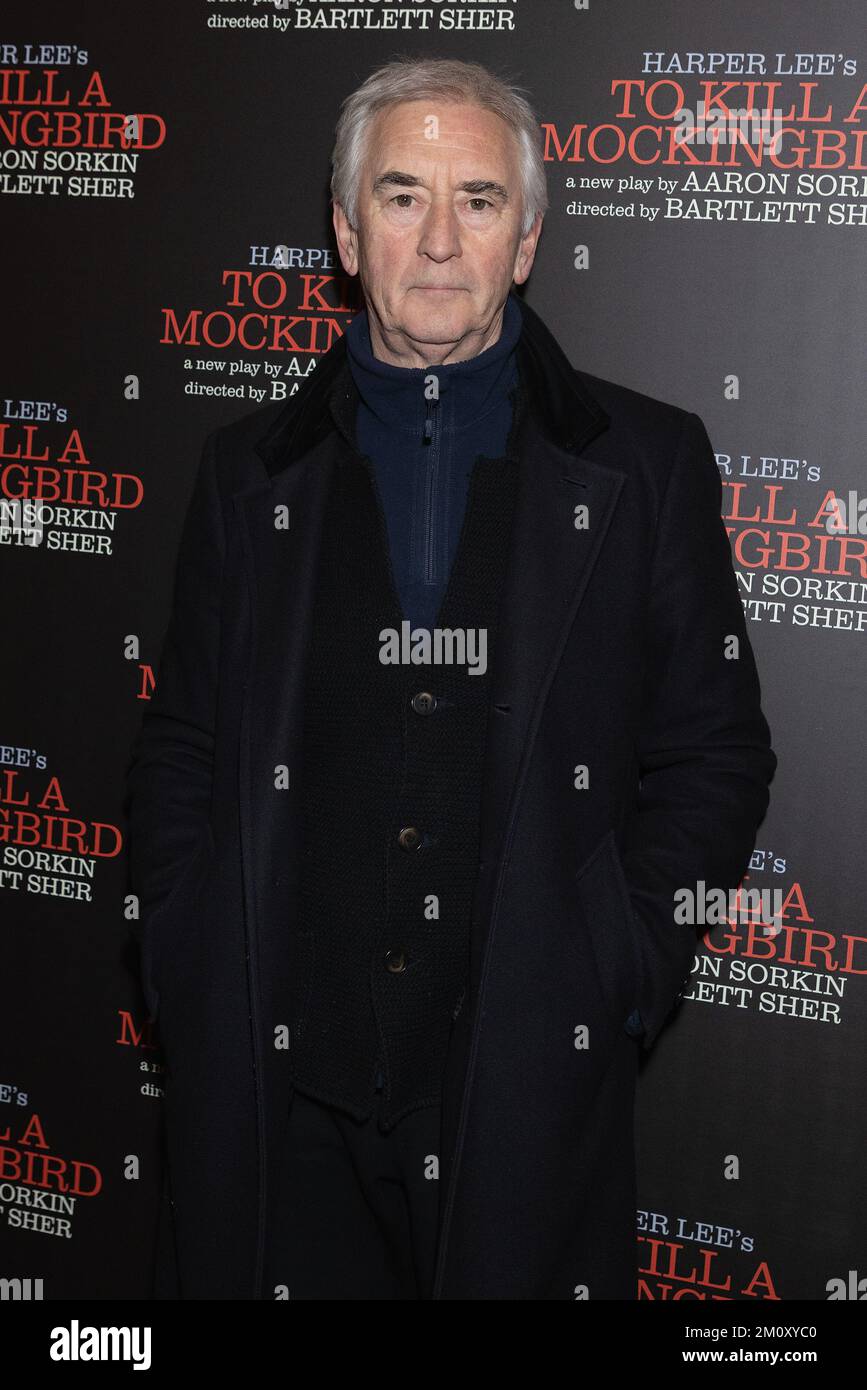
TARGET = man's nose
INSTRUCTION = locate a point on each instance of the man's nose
(440, 233)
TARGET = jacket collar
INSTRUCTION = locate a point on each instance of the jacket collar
(469, 393)
(549, 390)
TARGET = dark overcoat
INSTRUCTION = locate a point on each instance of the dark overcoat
(627, 757)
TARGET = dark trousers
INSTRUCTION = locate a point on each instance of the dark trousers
(358, 1214)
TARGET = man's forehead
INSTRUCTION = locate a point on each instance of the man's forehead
(439, 120)
(433, 128)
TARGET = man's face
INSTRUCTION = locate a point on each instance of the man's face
(437, 258)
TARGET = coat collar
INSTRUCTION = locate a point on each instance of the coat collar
(563, 409)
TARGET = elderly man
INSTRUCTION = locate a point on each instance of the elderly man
(456, 694)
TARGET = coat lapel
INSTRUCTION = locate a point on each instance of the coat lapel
(280, 566)
(280, 513)
(550, 564)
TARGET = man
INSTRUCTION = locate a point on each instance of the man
(456, 694)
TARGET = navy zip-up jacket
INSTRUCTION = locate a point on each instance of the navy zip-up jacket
(423, 449)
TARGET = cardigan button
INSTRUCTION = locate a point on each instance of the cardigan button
(409, 838)
(634, 1025)
(395, 960)
(423, 702)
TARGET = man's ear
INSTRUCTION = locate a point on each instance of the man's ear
(527, 251)
(347, 240)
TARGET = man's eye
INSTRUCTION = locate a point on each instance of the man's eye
(482, 203)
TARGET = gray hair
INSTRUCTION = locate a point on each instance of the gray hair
(436, 79)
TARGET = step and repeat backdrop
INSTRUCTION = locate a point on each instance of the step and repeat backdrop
(169, 265)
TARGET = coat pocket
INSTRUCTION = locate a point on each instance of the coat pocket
(608, 919)
(169, 923)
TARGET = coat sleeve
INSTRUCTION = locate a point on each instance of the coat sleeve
(704, 749)
(169, 777)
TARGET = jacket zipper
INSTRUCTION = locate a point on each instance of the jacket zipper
(430, 438)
